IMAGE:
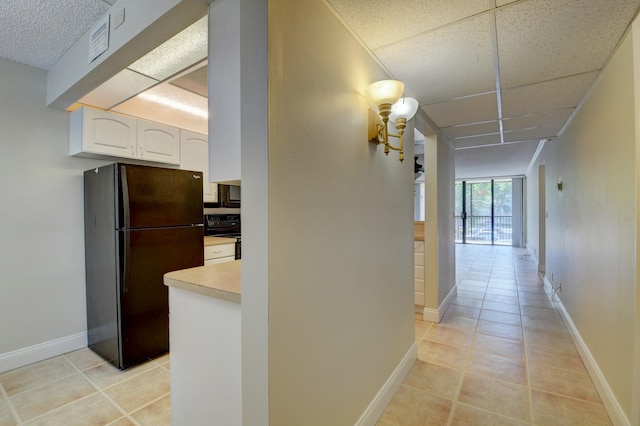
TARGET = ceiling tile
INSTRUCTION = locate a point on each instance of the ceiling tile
(378, 23)
(549, 118)
(513, 158)
(118, 88)
(532, 133)
(550, 95)
(186, 48)
(578, 36)
(476, 141)
(171, 105)
(474, 109)
(37, 32)
(471, 129)
(452, 62)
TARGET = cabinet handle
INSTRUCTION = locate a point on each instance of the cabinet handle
(141, 150)
(133, 150)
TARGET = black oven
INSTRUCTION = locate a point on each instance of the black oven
(224, 225)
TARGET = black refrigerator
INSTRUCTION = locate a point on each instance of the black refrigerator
(140, 223)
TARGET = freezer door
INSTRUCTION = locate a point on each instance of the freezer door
(153, 197)
(146, 255)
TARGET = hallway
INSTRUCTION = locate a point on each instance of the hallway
(501, 355)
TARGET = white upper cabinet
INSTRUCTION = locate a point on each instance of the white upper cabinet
(194, 155)
(158, 142)
(99, 132)
(96, 133)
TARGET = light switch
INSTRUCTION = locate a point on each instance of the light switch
(118, 18)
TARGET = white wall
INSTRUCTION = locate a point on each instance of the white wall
(340, 226)
(591, 227)
(42, 296)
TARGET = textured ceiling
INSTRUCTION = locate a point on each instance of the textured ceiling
(495, 76)
(38, 32)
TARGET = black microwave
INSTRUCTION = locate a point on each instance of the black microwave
(229, 196)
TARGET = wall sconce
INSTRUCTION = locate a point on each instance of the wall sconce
(385, 99)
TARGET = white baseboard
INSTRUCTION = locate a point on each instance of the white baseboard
(42, 351)
(391, 386)
(435, 315)
(606, 394)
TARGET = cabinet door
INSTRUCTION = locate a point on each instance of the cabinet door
(194, 155)
(158, 142)
(99, 132)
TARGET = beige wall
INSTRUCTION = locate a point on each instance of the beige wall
(439, 261)
(340, 226)
(591, 227)
(42, 290)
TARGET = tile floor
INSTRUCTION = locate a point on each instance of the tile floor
(80, 388)
(501, 355)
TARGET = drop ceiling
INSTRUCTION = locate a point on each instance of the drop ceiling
(495, 77)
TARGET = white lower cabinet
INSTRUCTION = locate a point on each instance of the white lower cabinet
(194, 153)
(98, 133)
(219, 253)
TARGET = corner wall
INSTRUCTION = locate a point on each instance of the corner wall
(341, 309)
(439, 238)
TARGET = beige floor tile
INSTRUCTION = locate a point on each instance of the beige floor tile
(503, 317)
(84, 359)
(542, 313)
(502, 292)
(463, 311)
(548, 324)
(106, 375)
(498, 367)
(163, 358)
(6, 415)
(450, 336)
(498, 346)
(554, 341)
(540, 356)
(123, 421)
(467, 301)
(141, 389)
(158, 413)
(501, 307)
(471, 294)
(435, 379)
(95, 409)
(557, 410)
(414, 407)
(495, 396)
(497, 329)
(41, 400)
(441, 354)
(421, 328)
(38, 374)
(465, 415)
(461, 323)
(564, 382)
(500, 298)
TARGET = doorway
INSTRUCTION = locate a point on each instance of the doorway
(484, 212)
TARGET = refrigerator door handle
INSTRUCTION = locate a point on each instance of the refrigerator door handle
(126, 260)
(125, 197)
